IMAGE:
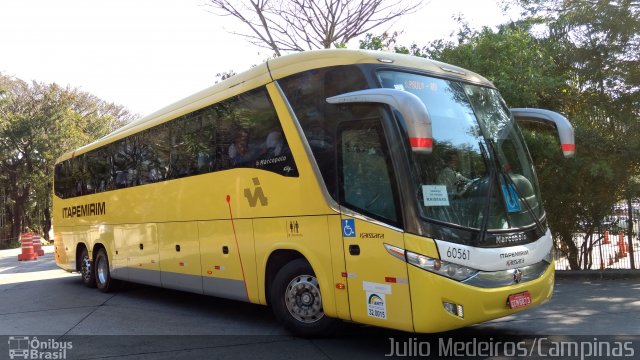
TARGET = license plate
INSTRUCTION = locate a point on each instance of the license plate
(519, 300)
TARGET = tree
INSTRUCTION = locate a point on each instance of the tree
(298, 25)
(601, 39)
(524, 68)
(531, 72)
(388, 42)
(600, 42)
(544, 70)
(38, 123)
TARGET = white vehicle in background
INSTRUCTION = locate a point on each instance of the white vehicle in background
(615, 223)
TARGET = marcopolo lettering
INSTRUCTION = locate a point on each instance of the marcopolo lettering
(510, 239)
(271, 161)
(92, 209)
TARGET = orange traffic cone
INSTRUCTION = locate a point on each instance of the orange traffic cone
(606, 237)
(621, 244)
(37, 245)
(27, 248)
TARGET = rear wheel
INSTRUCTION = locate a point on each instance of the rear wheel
(86, 269)
(104, 282)
(296, 300)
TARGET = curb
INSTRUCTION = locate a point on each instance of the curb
(610, 274)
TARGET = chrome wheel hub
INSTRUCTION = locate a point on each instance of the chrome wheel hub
(101, 271)
(303, 299)
(86, 268)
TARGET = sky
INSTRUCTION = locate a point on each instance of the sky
(147, 54)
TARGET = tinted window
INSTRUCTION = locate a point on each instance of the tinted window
(367, 179)
(243, 131)
(307, 93)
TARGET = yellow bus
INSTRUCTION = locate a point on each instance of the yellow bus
(372, 187)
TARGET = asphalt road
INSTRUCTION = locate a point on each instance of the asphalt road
(141, 322)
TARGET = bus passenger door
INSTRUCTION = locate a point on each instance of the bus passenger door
(377, 281)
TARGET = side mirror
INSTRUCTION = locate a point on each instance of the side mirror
(409, 105)
(565, 130)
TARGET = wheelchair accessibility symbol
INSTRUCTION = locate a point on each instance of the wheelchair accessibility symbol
(348, 228)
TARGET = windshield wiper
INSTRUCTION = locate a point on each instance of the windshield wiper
(492, 175)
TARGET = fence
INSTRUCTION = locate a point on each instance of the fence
(605, 250)
(6, 243)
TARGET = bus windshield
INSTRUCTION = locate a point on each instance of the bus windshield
(479, 175)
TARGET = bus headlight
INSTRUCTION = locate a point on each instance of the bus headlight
(440, 267)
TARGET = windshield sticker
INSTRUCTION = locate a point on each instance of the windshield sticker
(511, 198)
(414, 84)
(398, 87)
(435, 195)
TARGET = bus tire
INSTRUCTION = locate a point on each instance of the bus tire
(296, 300)
(86, 269)
(104, 282)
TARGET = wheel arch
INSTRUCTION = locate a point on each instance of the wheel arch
(96, 248)
(276, 260)
(321, 268)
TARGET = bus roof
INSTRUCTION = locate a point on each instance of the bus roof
(275, 69)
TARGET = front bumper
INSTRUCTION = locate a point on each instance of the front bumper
(429, 291)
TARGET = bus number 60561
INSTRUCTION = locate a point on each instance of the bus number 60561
(457, 253)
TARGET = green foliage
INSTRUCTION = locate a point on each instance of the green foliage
(578, 57)
(522, 66)
(578, 193)
(533, 71)
(38, 123)
(387, 42)
(599, 46)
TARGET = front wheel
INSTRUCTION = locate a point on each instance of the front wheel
(104, 282)
(296, 300)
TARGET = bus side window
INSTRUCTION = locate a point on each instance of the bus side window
(255, 137)
(243, 150)
(192, 144)
(366, 178)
